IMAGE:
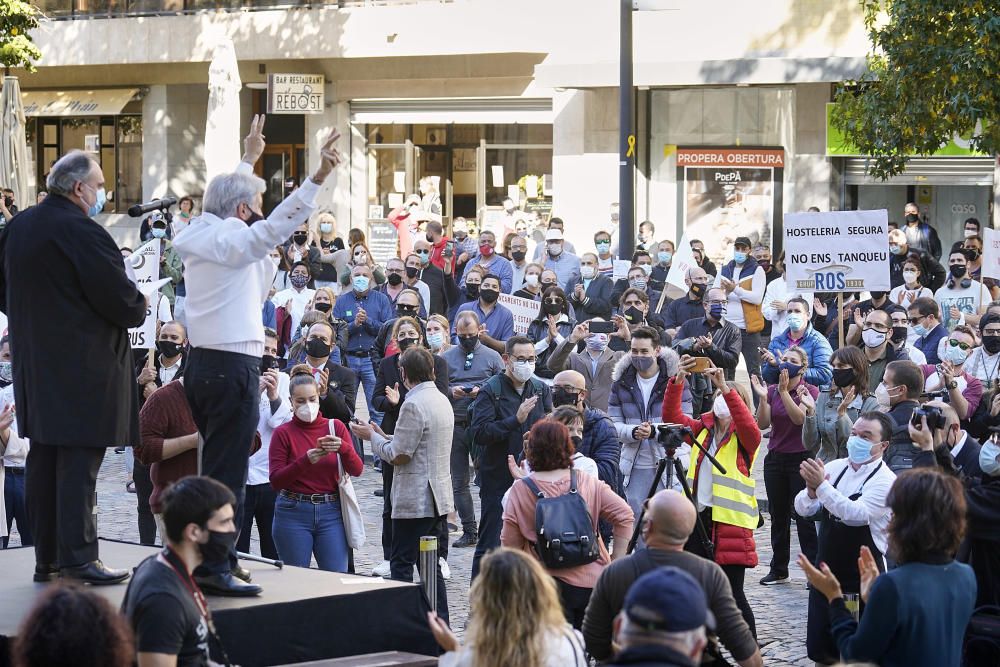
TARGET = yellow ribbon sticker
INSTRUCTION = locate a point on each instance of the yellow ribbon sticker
(631, 146)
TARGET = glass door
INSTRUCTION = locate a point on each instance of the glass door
(522, 172)
(279, 166)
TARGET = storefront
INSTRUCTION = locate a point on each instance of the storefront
(107, 124)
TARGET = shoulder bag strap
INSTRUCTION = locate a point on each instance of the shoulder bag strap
(530, 483)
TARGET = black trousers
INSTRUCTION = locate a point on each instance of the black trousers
(782, 482)
(60, 484)
(258, 504)
(143, 490)
(574, 602)
(490, 523)
(222, 390)
(387, 521)
(406, 534)
(734, 573)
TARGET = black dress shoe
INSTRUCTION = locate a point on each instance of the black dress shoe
(242, 573)
(95, 573)
(45, 573)
(228, 585)
(468, 539)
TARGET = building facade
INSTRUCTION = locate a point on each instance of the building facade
(490, 99)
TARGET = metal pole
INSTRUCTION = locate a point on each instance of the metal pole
(428, 568)
(626, 137)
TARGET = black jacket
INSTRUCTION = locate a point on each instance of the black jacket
(599, 295)
(902, 452)
(139, 357)
(341, 393)
(932, 274)
(981, 548)
(70, 305)
(726, 340)
(443, 289)
(651, 655)
(387, 375)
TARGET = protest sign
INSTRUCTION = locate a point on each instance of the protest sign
(837, 251)
(682, 260)
(620, 270)
(524, 310)
(145, 263)
(991, 253)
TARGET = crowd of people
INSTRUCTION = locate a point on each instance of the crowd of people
(875, 423)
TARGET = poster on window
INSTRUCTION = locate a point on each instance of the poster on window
(725, 193)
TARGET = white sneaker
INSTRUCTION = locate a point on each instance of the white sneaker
(381, 570)
(445, 570)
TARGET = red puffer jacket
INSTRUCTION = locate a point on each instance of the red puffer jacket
(733, 545)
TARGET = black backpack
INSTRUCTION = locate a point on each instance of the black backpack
(565, 530)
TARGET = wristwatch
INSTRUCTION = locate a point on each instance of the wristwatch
(953, 384)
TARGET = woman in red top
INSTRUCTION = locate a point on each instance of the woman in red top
(304, 471)
(729, 425)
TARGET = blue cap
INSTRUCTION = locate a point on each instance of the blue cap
(667, 599)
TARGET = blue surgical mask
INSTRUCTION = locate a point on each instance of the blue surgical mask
(424, 256)
(739, 256)
(597, 342)
(859, 450)
(158, 233)
(955, 355)
(360, 283)
(795, 321)
(325, 227)
(664, 257)
(603, 247)
(920, 330)
(988, 458)
(895, 249)
(435, 340)
(793, 369)
(98, 205)
(717, 311)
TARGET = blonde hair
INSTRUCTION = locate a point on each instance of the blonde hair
(514, 605)
(329, 293)
(739, 389)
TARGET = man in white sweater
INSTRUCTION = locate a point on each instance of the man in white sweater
(228, 274)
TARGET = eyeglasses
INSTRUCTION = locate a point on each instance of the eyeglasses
(960, 345)
(916, 320)
(717, 302)
(524, 360)
(554, 302)
(397, 271)
(992, 333)
(568, 387)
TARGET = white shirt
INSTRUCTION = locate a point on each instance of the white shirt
(969, 300)
(958, 445)
(915, 355)
(902, 296)
(646, 387)
(168, 373)
(17, 447)
(517, 273)
(777, 290)
(228, 272)
(983, 365)
(754, 295)
(543, 344)
(299, 301)
(424, 291)
(869, 510)
(259, 470)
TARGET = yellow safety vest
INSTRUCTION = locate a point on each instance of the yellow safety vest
(733, 499)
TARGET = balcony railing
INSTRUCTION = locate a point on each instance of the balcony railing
(96, 9)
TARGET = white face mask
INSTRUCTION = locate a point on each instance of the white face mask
(307, 412)
(910, 277)
(531, 280)
(523, 370)
(970, 233)
(719, 407)
(587, 272)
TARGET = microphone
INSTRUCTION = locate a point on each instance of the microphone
(140, 210)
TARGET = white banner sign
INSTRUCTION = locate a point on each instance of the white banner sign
(525, 311)
(837, 251)
(991, 253)
(682, 260)
(295, 93)
(145, 263)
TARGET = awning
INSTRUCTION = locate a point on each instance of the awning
(107, 102)
(474, 111)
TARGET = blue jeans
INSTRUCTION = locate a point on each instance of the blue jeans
(301, 529)
(13, 492)
(362, 367)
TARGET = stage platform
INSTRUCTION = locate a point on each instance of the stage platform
(303, 614)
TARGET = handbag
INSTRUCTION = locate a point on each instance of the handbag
(350, 510)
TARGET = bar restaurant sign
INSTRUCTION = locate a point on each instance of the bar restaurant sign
(295, 93)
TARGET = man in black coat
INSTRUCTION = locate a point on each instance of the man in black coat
(590, 294)
(84, 285)
(443, 288)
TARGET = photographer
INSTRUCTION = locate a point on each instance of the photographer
(953, 448)
(897, 395)
(713, 337)
(726, 502)
(960, 389)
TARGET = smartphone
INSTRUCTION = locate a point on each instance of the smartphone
(449, 249)
(701, 364)
(468, 390)
(357, 421)
(602, 327)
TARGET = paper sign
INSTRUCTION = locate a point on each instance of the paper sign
(395, 200)
(682, 261)
(621, 267)
(399, 181)
(497, 170)
(547, 185)
(514, 193)
(837, 251)
(525, 311)
(531, 187)
(145, 264)
(991, 253)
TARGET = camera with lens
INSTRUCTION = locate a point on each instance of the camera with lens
(671, 436)
(935, 418)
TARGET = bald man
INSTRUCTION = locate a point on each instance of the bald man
(600, 440)
(683, 309)
(668, 523)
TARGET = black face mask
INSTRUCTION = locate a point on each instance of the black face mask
(218, 546)
(254, 217)
(168, 348)
(844, 377)
(406, 311)
(899, 334)
(299, 238)
(633, 314)
(406, 343)
(957, 270)
(317, 349)
(561, 396)
(577, 441)
(430, 239)
(991, 344)
(698, 290)
(411, 272)
(323, 307)
(267, 362)
(472, 290)
(394, 279)
(552, 308)
(877, 296)
(518, 255)
(912, 217)
(489, 295)
(468, 343)
(972, 254)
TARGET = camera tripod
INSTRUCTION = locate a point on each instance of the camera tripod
(671, 436)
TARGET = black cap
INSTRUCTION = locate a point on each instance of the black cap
(742, 240)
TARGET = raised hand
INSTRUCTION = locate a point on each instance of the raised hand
(330, 157)
(823, 580)
(7, 417)
(392, 394)
(758, 387)
(805, 399)
(849, 395)
(253, 144)
(868, 570)
(580, 331)
(783, 381)
(819, 307)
